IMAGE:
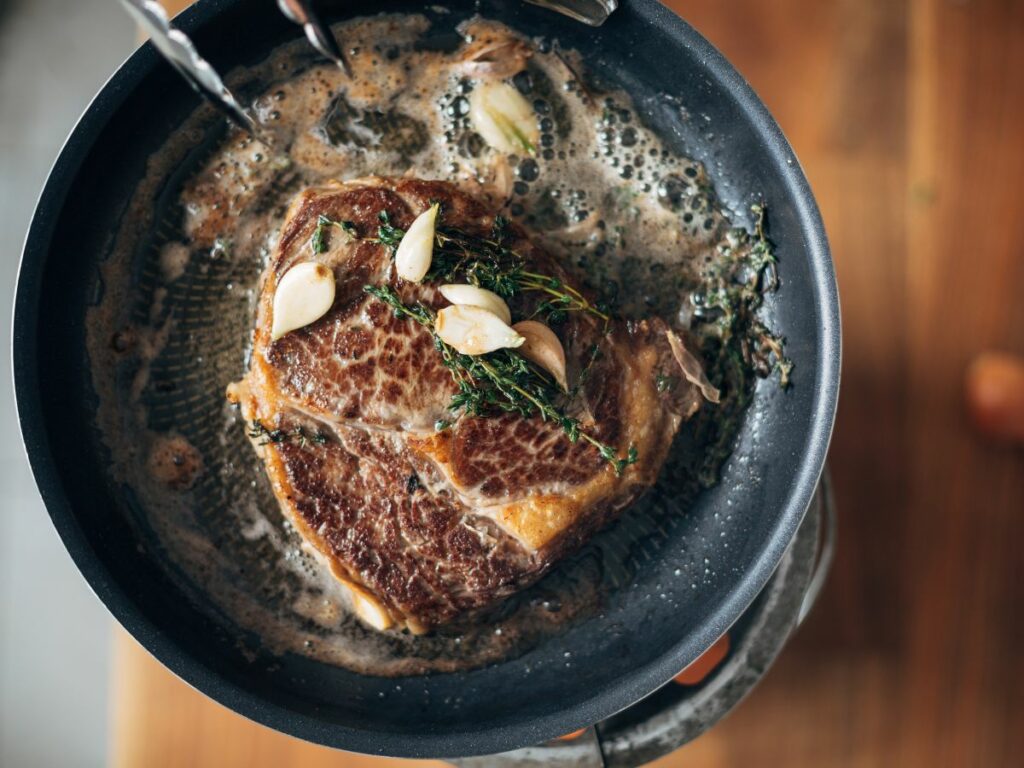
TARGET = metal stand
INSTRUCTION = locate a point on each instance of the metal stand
(675, 715)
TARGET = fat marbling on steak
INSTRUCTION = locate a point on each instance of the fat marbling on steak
(422, 524)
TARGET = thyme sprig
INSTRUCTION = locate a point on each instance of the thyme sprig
(500, 381)
(323, 224)
(486, 262)
(387, 234)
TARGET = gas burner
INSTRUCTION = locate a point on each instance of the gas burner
(678, 713)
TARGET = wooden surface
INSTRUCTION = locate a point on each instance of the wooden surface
(909, 120)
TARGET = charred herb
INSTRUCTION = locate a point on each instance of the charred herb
(734, 290)
(257, 431)
(735, 344)
(500, 381)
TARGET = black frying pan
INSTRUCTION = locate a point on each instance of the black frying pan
(647, 632)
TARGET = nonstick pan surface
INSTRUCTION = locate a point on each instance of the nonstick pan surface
(649, 629)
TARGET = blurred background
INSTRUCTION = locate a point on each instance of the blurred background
(908, 116)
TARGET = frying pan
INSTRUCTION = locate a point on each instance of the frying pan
(647, 630)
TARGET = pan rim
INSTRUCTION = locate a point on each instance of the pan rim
(530, 730)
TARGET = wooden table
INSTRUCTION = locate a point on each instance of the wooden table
(909, 120)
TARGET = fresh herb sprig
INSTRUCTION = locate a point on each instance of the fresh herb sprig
(486, 262)
(500, 381)
(387, 234)
(323, 224)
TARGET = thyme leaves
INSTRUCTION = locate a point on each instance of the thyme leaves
(299, 435)
(388, 235)
(487, 263)
(734, 290)
(736, 344)
(318, 242)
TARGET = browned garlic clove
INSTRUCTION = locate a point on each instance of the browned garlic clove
(543, 348)
(303, 296)
(504, 118)
(495, 58)
(691, 368)
(416, 251)
(474, 331)
(471, 295)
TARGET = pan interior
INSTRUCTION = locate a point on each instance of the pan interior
(671, 570)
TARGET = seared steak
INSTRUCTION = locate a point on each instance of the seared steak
(423, 524)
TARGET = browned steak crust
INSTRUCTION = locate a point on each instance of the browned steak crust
(426, 524)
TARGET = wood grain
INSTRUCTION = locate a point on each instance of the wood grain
(909, 120)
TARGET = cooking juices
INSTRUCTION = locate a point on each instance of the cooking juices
(637, 221)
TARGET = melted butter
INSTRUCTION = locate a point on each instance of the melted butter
(602, 191)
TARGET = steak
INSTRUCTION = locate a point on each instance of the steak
(425, 524)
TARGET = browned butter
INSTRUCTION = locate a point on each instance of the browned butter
(174, 323)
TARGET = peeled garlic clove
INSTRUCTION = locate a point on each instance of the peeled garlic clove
(303, 295)
(415, 252)
(472, 296)
(543, 348)
(503, 118)
(474, 331)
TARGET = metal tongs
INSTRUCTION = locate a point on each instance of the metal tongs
(319, 36)
(179, 50)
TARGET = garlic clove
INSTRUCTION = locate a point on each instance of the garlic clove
(416, 250)
(692, 368)
(504, 119)
(543, 348)
(303, 295)
(495, 58)
(471, 295)
(474, 331)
